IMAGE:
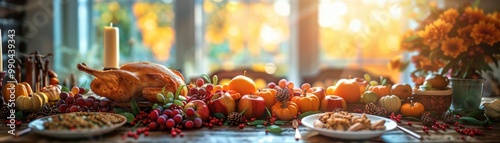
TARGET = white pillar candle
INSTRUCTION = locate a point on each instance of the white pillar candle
(111, 47)
(1, 52)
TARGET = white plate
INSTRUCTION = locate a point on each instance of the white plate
(351, 135)
(37, 127)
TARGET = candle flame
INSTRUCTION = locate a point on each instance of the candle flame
(111, 24)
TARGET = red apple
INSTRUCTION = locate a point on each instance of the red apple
(255, 106)
(200, 109)
(331, 102)
(402, 90)
(221, 102)
(319, 92)
(362, 83)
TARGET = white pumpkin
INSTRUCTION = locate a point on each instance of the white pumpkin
(391, 103)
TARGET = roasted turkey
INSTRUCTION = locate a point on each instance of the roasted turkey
(141, 80)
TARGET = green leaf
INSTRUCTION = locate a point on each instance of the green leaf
(207, 78)
(64, 89)
(215, 80)
(259, 126)
(86, 90)
(268, 113)
(474, 113)
(19, 115)
(256, 122)
(487, 122)
(179, 91)
(218, 115)
(412, 119)
(302, 115)
(244, 110)
(226, 123)
(155, 106)
(134, 106)
(118, 110)
(130, 117)
(384, 81)
(279, 122)
(136, 125)
(178, 103)
(275, 129)
(470, 120)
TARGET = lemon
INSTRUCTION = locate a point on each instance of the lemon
(369, 97)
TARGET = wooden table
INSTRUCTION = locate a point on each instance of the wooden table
(251, 134)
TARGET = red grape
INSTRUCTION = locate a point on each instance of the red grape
(200, 82)
(59, 102)
(63, 95)
(189, 124)
(175, 112)
(178, 118)
(63, 107)
(89, 102)
(83, 109)
(167, 112)
(162, 119)
(70, 100)
(96, 105)
(104, 109)
(170, 123)
(193, 91)
(153, 126)
(105, 102)
(197, 122)
(190, 112)
(77, 96)
(271, 85)
(153, 115)
(209, 87)
(82, 90)
(282, 83)
(80, 101)
(74, 108)
(202, 91)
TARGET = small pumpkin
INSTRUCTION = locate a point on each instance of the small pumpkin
(52, 92)
(391, 103)
(31, 103)
(306, 102)
(380, 90)
(20, 89)
(235, 95)
(347, 89)
(284, 109)
(269, 96)
(413, 109)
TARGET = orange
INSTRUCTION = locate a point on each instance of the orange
(242, 85)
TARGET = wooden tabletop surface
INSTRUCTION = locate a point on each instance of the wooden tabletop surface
(252, 134)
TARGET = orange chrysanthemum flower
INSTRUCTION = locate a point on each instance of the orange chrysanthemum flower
(434, 33)
(464, 33)
(449, 15)
(406, 45)
(453, 47)
(473, 15)
(485, 32)
(493, 18)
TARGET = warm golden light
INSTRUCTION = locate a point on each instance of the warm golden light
(355, 25)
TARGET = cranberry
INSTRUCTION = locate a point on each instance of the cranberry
(410, 124)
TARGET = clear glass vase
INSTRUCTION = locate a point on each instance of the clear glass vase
(467, 93)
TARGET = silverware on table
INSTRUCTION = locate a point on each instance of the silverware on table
(295, 124)
(409, 132)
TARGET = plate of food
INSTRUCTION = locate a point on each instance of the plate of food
(351, 126)
(77, 124)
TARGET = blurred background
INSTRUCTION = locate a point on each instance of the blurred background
(315, 41)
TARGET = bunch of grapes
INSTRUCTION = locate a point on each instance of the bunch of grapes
(290, 86)
(201, 91)
(73, 101)
(173, 119)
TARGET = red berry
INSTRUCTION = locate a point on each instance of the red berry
(178, 118)
(173, 134)
(146, 133)
(242, 126)
(190, 112)
(410, 124)
(189, 124)
(170, 123)
(181, 134)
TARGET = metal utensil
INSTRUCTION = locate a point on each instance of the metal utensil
(295, 124)
(409, 132)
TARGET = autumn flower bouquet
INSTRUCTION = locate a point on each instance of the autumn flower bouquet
(458, 42)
